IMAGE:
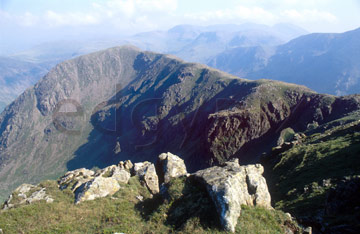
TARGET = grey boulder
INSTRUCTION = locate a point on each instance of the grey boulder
(233, 185)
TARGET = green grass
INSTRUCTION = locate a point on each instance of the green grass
(332, 154)
(186, 209)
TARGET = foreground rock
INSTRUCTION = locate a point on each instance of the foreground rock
(105, 182)
(96, 188)
(119, 174)
(170, 166)
(147, 173)
(27, 194)
(232, 186)
(89, 185)
(75, 178)
(229, 186)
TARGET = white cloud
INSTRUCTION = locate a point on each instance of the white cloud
(74, 18)
(124, 13)
(157, 5)
(26, 19)
(308, 15)
(130, 8)
(283, 4)
(239, 12)
(142, 15)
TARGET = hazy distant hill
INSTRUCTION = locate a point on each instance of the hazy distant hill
(16, 76)
(327, 63)
(200, 43)
(189, 42)
(160, 104)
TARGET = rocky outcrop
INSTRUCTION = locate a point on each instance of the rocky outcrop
(75, 178)
(229, 186)
(96, 188)
(119, 174)
(147, 173)
(88, 185)
(127, 165)
(27, 194)
(170, 166)
(257, 186)
(233, 185)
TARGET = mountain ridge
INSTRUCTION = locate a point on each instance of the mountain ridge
(190, 42)
(154, 100)
(306, 60)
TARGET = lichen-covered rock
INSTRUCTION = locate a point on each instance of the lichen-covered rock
(38, 196)
(88, 185)
(121, 175)
(127, 165)
(75, 178)
(147, 172)
(233, 185)
(27, 194)
(98, 187)
(170, 166)
(140, 167)
(257, 185)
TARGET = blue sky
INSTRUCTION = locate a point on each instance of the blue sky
(59, 19)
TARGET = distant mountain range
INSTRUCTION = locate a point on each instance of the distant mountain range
(192, 43)
(130, 104)
(16, 76)
(327, 63)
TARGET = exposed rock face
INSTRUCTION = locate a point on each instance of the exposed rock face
(75, 178)
(88, 185)
(232, 186)
(119, 174)
(170, 166)
(95, 188)
(140, 168)
(127, 165)
(27, 194)
(257, 186)
(147, 172)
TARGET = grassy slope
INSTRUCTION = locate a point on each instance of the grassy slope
(329, 154)
(186, 210)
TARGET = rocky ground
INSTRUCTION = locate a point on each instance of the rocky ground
(230, 189)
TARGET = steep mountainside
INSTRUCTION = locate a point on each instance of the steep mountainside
(129, 104)
(327, 63)
(316, 178)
